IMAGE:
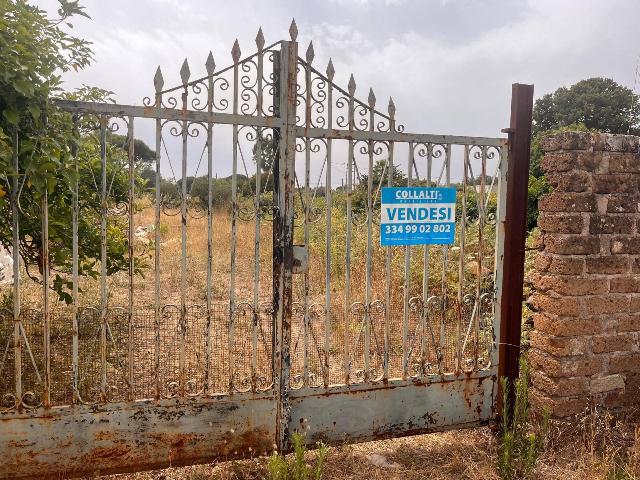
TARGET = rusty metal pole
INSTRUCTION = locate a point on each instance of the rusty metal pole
(515, 230)
(284, 177)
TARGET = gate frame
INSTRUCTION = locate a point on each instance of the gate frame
(460, 389)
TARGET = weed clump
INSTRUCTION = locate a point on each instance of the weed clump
(281, 467)
(519, 447)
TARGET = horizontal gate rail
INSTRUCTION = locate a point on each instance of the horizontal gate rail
(118, 110)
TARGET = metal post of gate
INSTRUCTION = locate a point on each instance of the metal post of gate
(515, 230)
(285, 90)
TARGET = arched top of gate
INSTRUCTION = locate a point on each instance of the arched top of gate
(246, 87)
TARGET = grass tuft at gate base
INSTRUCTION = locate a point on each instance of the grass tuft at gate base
(294, 467)
(518, 446)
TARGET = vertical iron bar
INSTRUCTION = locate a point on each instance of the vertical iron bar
(499, 251)
(407, 274)
(103, 258)
(256, 271)
(258, 213)
(306, 206)
(368, 262)
(460, 344)
(17, 338)
(132, 186)
(515, 227)
(328, 207)
(388, 254)
(463, 228)
(445, 268)
(347, 271)
(286, 87)
(157, 240)
(75, 371)
(208, 348)
(183, 253)
(481, 220)
(45, 287)
(234, 232)
(387, 281)
(424, 318)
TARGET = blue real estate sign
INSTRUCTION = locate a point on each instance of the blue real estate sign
(417, 216)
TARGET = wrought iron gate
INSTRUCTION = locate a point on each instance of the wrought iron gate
(217, 355)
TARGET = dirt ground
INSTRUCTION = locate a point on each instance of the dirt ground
(596, 445)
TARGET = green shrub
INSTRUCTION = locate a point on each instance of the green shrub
(295, 468)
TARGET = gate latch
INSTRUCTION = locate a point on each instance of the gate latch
(300, 259)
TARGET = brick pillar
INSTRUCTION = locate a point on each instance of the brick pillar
(584, 347)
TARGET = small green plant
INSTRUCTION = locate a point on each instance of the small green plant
(295, 468)
(519, 447)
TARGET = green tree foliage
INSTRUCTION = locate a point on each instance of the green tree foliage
(34, 52)
(598, 103)
(380, 179)
(264, 152)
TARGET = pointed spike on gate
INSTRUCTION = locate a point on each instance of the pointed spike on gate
(392, 108)
(310, 55)
(185, 73)
(351, 86)
(330, 70)
(372, 98)
(235, 51)
(293, 30)
(210, 64)
(158, 80)
(260, 40)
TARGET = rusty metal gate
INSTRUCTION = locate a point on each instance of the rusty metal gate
(291, 317)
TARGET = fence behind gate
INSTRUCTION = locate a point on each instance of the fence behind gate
(217, 315)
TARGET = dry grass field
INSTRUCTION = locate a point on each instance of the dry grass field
(346, 326)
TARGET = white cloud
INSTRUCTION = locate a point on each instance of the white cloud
(448, 64)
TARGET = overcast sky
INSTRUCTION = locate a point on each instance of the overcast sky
(449, 64)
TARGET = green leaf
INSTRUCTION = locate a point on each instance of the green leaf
(34, 110)
(12, 116)
(51, 184)
(23, 87)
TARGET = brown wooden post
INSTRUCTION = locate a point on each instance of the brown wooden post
(515, 230)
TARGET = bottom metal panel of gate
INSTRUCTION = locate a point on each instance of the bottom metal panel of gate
(120, 437)
(403, 407)
(91, 440)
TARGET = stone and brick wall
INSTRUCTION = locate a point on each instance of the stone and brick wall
(585, 343)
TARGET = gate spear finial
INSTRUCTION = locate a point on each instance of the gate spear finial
(392, 108)
(330, 70)
(310, 53)
(293, 30)
(371, 99)
(185, 73)
(158, 81)
(235, 51)
(351, 86)
(210, 64)
(260, 40)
